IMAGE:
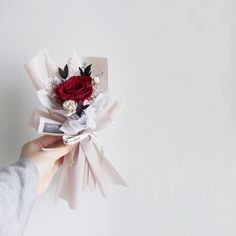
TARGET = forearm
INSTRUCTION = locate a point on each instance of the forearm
(18, 191)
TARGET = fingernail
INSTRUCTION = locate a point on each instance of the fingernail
(47, 149)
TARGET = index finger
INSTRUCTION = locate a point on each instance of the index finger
(46, 140)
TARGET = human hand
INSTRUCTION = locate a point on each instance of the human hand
(46, 152)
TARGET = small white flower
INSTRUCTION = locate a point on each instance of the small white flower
(69, 107)
(96, 79)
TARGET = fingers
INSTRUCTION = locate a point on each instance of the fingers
(57, 165)
(56, 152)
(46, 140)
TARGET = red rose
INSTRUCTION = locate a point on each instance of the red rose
(76, 88)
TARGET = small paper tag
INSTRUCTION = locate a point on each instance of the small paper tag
(52, 128)
(49, 126)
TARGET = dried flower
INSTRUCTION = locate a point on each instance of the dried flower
(70, 107)
(96, 79)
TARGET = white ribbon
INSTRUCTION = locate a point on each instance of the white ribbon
(69, 139)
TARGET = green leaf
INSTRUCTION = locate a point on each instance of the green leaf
(63, 72)
(87, 70)
(66, 70)
(81, 71)
(80, 109)
(86, 106)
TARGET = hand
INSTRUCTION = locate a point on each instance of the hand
(46, 152)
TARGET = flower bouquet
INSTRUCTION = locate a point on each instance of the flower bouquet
(75, 97)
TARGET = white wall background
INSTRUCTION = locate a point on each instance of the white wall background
(173, 64)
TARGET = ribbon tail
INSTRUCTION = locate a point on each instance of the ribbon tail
(104, 173)
(89, 182)
(112, 173)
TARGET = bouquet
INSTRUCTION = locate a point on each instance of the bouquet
(76, 101)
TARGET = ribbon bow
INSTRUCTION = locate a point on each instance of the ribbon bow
(70, 139)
